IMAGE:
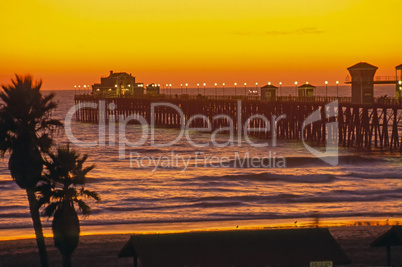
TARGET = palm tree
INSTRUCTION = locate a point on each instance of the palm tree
(26, 129)
(65, 177)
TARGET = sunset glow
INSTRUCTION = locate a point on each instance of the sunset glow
(75, 42)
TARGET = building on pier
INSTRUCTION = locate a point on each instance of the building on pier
(362, 75)
(398, 83)
(363, 80)
(118, 84)
(268, 92)
(306, 90)
(152, 89)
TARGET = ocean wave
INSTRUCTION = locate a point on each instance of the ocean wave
(336, 197)
(15, 215)
(378, 174)
(262, 177)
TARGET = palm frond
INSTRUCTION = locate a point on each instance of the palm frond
(91, 194)
(50, 209)
(83, 207)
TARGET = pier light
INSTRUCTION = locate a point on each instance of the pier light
(269, 83)
(296, 87)
(295, 83)
(198, 84)
(306, 82)
(326, 88)
(245, 89)
(129, 85)
(85, 86)
(400, 82)
(280, 83)
(75, 86)
(223, 88)
(216, 84)
(326, 82)
(205, 84)
(337, 88)
(186, 84)
(235, 84)
(115, 85)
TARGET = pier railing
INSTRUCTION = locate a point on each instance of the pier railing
(310, 99)
(379, 79)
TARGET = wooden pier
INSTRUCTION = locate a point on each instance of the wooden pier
(375, 126)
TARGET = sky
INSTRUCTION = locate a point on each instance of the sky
(67, 43)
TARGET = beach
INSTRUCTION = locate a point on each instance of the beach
(102, 250)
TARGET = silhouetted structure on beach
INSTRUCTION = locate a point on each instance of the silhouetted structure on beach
(391, 238)
(283, 247)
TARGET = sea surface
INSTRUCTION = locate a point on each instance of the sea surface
(187, 186)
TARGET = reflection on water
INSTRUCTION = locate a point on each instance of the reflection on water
(362, 185)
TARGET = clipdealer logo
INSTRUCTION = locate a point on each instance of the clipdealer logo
(235, 136)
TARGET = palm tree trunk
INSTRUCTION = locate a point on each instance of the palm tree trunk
(66, 261)
(37, 224)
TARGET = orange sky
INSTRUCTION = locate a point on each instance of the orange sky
(178, 41)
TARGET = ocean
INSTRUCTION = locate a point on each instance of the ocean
(182, 183)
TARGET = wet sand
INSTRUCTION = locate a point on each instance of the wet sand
(102, 250)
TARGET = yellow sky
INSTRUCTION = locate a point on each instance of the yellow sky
(173, 41)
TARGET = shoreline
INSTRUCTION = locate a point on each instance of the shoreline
(102, 249)
(215, 225)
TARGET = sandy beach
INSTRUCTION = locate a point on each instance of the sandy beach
(102, 250)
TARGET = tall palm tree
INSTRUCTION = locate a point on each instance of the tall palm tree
(26, 129)
(65, 176)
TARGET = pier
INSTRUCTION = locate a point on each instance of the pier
(364, 121)
(375, 126)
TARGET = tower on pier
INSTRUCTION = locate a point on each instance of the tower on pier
(398, 76)
(362, 82)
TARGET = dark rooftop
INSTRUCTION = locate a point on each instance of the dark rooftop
(393, 237)
(279, 247)
(362, 65)
(270, 86)
(399, 67)
(306, 86)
